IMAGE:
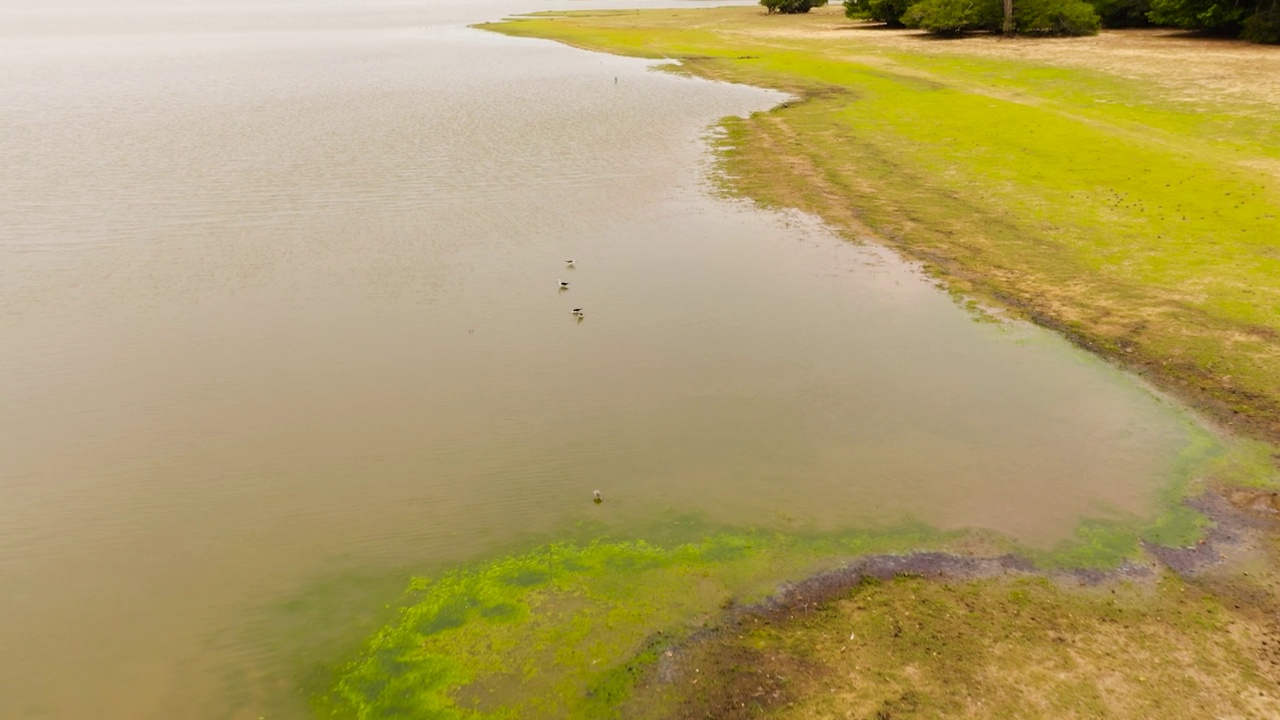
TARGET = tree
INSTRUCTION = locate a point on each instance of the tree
(1032, 17)
(1222, 16)
(953, 17)
(1264, 25)
(791, 7)
(1056, 17)
(1122, 13)
(889, 12)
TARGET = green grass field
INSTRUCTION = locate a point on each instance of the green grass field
(1026, 648)
(1139, 217)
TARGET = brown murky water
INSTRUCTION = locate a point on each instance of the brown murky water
(278, 297)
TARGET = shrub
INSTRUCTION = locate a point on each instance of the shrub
(1122, 13)
(889, 12)
(1033, 17)
(1055, 17)
(952, 17)
(1263, 26)
(1211, 15)
(791, 7)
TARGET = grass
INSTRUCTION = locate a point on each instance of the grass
(1026, 648)
(1138, 218)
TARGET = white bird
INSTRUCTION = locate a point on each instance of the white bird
(596, 496)
(577, 312)
(569, 263)
(564, 285)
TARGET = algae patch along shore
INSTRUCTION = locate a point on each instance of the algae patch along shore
(1122, 189)
(632, 629)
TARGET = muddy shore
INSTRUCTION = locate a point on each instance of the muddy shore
(739, 680)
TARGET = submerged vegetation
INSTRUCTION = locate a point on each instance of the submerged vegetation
(590, 629)
(628, 628)
(564, 630)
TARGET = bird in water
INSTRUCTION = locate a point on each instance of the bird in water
(564, 285)
(577, 312)
(596, 497)
(568, 263)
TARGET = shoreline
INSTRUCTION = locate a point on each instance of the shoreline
(773, 141)
(783, 158)
(716, 655)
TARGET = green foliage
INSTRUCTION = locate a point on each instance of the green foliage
(1055, 17)
(1030, 17)
(1253, 20)
(1122, 13)
(1263, 26)
(953, 17)
(1222, 16)
(791, 7)
(889, 12)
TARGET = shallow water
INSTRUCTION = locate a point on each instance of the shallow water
(278, 301)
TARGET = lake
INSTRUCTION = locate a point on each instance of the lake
(280, 315)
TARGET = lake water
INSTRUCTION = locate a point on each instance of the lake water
(279, 311)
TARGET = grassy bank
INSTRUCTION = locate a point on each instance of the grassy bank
(1126, 195)
(1007, 648)
(633, 629)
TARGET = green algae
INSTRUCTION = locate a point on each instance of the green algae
(566, 629)
(563, 630)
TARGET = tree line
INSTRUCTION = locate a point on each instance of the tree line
(1253, 20)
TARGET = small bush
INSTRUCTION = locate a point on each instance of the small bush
(1055, 17)
(953, 17)
(1122, 13)
(1263, 26)
(1211, 15)
(889, 12)
(791, 7)
(1032, 17)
